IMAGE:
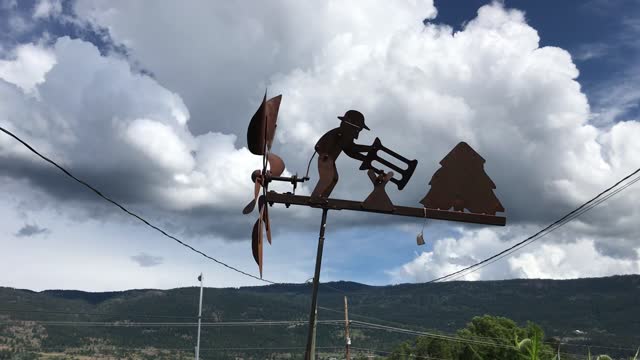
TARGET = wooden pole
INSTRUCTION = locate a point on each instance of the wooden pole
(346, 328)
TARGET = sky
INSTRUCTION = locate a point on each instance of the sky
(150, 104)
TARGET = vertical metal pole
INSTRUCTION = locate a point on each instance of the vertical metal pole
(316, 281)
(199, 320)
(313, 340)
(346, 328)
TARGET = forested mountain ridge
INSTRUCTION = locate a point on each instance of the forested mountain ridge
(596, 311)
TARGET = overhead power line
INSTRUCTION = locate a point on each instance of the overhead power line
(124, 316)
(428, 357)
(560, 222)
(403, 328)
(584, 210)
(54, 312)
(108, 348)
(121, 207)
(553, 226)
(170, 324)
(472, 339)
(428, 334)
(467, 270)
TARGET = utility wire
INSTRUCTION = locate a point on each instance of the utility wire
(115, 348)
(125, 316)
(570, 216)
(227, 322)
(412, 356)
(19, 311)
(170, 324)
(99, 193)
(481, 339)
(427, 334)
(475, 339)
(507, 251)
(584, 210)
(108, 348)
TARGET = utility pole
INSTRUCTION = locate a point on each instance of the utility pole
(346, 328)
(199, 319)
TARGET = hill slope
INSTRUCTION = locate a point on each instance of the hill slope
(600, 311)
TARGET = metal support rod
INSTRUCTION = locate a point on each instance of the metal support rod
(316, 281)
(313, 339)
(199, 319)
(421, 212)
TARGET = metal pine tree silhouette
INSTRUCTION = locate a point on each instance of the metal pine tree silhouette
(461, 183)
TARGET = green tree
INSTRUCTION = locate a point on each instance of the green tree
(484, 338)
(437, 348)
(403, 351)
(501, 338)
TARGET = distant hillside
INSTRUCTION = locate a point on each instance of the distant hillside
(597, 311)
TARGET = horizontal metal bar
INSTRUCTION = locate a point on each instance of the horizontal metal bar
(288, 179)
(338, 204)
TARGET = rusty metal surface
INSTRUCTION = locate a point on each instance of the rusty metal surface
(328, 177)
(260, 135)
(342, 140)
(276, 164)
(272, 107)
(378, 199)
(257, 235)
(461, 183)
(372, 156)
(264, 215)
(256, 243)
(316, 283)
(256, 132)
(262, 127)
(338, 204)
(256, 191)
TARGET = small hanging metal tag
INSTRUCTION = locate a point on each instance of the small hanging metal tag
(420, 237)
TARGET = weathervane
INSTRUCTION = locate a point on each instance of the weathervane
(460, 184)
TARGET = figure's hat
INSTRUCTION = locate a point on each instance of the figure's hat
(354, 118)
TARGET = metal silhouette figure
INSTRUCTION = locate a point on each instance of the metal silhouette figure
(332, 144)
(460, 184)
(342, 139)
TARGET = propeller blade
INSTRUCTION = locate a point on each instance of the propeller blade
(256, 139)
(267, 223)
(250, 206)
(271, 112)
(260, 237)
(256, 244)
(264, 212)
(276, 164)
